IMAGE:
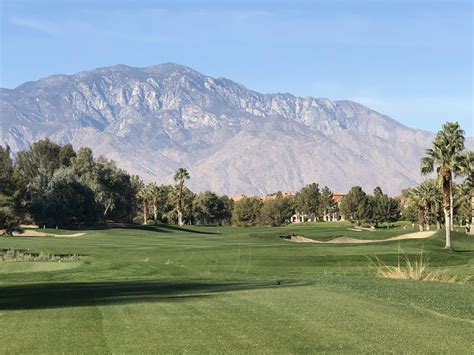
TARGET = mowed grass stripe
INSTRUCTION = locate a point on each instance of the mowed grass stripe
(163, 289)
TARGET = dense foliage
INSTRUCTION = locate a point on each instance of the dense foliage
(9, 219)
(55, 186)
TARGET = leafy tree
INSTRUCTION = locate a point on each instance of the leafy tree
(66, 154)
(308, 200)
(380, 207)
(410, 210)
(355, 205)
(327, 202)
(277, 211)
(112, 189)
(179, 177)
(228, 207)
(6, 168)
(393, 210)
(9, 219)
(208, 208)
(41, 159)
(83, 165)
(445, 156)
(246, 212)
(66, 201)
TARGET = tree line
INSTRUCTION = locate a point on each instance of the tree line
(54, 185)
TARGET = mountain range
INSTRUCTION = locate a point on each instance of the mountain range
(231, 139)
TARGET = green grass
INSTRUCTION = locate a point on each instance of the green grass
(237, 290)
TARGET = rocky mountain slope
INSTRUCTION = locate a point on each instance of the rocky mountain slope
(233, 140)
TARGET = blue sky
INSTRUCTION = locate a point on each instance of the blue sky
(409, 59)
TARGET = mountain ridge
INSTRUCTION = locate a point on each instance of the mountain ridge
(233, 140)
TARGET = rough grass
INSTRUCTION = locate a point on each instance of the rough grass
(416, 269)
(12, 255)
(164, 289)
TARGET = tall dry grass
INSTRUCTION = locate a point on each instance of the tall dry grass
(416, 269)
(19, 255)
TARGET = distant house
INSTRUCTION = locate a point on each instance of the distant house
(300, 218)
(333, 215)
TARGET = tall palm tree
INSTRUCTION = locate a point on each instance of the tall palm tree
(155, 193)
(179, 177)
(445, 155)
(144, 196)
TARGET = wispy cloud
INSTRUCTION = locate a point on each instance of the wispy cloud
(34, 24)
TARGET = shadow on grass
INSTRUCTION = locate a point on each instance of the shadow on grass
(160, 228)
(58, 295)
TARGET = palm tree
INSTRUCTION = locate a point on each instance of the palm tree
(144, 196)
(154, 192)
(445, 156)
(466, 169)
(179, 177)
(415, 199)
(425, 196)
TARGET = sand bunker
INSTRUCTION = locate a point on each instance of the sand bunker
(348, 240)
(36, 233)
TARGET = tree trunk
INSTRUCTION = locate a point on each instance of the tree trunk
(180, 218)
(447, 181)
(420, 218)
(448, 230)
(427, 217)
(180, 203)
(438, 224)
(145, 213)
(451, 206)
(471, 229)
(155, 213)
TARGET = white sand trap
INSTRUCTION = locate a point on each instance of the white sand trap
(35, 233)
(354, 230)
(348, 240)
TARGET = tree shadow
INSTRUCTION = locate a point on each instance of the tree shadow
(172, 227)
(59, 295)
(160, 228)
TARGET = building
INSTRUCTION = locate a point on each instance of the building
(333, 214)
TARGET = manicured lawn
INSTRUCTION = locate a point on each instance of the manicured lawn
(201, 290)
